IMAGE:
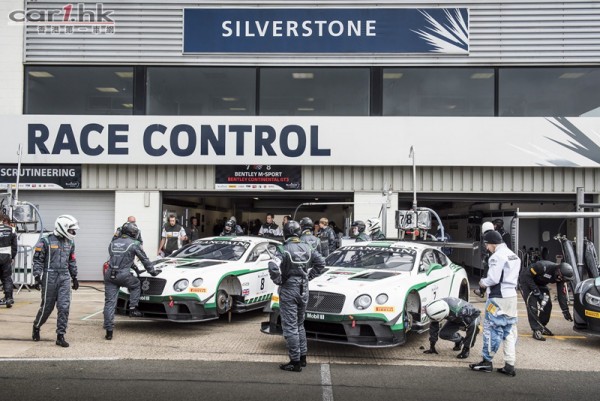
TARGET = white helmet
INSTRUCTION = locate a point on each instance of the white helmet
(487, 226)
(374, 224)
(437, 310)
(66, 226)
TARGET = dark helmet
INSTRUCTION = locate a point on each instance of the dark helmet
(292, 229)
(229, 225)
(306, 223)
(130, 229)
(566, 270)
(360, 225)
(498, 223)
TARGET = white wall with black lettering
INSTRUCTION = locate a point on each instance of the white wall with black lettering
(95, 212)
(11, 68)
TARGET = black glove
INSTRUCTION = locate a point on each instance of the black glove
(38, 282)
(154, 273)
(75, 284)
(431, 349)
(567, 315)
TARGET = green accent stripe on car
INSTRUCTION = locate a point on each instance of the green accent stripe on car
(262, 298)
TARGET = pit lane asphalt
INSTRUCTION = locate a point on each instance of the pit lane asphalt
(218, 359)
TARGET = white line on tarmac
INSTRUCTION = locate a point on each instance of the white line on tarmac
(326, 382)
(58, 359)
(93, 314)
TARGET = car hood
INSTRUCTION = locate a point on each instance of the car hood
(344, 280)
(181, 266)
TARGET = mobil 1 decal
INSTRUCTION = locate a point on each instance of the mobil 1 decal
(258, 177)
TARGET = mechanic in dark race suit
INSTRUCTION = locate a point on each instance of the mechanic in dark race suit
(123, 251)
(8, 251)
(534, 289)
(54, 265)
(306, 224)
(298, 264)
(458, 314)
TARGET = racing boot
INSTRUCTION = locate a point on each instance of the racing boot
(483, 366)
(35, 336)
(508, 370)
(135, 312)
(303, 361)
(108, 335)
(60, 340)
(547, 332)
(464, 353)
(291, 366)
(458, 345)
(537, 334)
(8, 301)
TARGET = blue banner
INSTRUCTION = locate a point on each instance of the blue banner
(331, 30)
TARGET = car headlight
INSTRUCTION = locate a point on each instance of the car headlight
(181, 285)
(381, 299)
(592, 299)
(362, 301)
(197, 282)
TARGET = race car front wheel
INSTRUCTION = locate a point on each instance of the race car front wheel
(224, 302)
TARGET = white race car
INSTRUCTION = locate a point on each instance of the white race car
(207, 278)
(373, 293)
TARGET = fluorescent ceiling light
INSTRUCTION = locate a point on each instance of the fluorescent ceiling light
(306, 109)
(237, 108)
(392, 75)
(303, 75)
(229, 99)
(310, 99)
(41, 74)
(572, 75)
(107, 90)
(124, 74)
(128, 105)
(482, 75)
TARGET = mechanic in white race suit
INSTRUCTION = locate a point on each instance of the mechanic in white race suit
(54, 265)
(459, 314)
(123, 251)
(297, 264)
(500, 322)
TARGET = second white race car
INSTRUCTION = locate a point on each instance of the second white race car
(373, 293)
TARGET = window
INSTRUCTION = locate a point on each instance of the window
(549, 92)
(201, 91)
(78, 90)
(438, 92)
(314, 91)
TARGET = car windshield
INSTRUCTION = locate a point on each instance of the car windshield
(365, 257)
(220, 250)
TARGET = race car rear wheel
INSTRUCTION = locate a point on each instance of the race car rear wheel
(224, 302)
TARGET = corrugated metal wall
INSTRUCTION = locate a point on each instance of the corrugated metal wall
(501, 32)
(470, 180)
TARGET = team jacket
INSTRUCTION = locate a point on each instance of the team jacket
(8, 241)
(461, 312)
(297, 260)
(270, 230)
(311, 240)
(503, 273)
(54, 253)
(123, 252)
(539, 275)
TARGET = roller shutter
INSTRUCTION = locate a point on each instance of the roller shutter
(95, 212)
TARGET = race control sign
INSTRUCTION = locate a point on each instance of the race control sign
(258, 177)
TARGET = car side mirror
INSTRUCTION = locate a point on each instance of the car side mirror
(434, 266)
(263, 256)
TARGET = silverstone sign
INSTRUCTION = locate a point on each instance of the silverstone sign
(326, 30)
(297, 141)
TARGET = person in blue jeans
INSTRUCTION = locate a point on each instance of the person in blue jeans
(500, 321)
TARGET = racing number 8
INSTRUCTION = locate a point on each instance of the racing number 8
(262, 283)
